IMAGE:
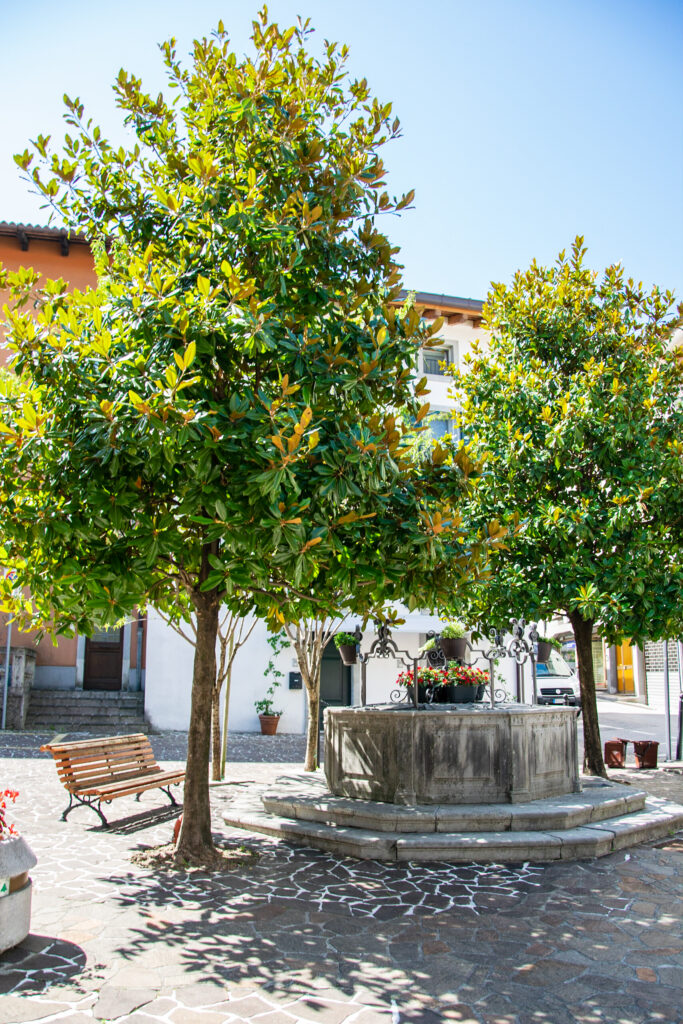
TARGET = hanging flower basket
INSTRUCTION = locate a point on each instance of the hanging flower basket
(454, 648)
(346, 645)
(347, 653)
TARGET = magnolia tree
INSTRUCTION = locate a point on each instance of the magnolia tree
(576, 411)
(219, 413)
(235, 626)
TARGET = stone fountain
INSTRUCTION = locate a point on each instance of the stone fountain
(484, 782)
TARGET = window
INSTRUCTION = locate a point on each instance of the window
(441, 424)
(433, 358)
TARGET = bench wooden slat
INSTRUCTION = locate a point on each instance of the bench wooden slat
(96, 743)
(107, 764)
(121, 787)
(101, 779)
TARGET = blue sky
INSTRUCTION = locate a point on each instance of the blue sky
(525, 122)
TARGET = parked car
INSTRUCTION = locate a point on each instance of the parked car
(556, 682)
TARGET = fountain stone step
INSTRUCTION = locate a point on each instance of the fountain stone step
(632, 819)
(598, 800)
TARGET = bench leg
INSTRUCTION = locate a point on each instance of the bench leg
(169, 794)
(69, 808)
(79, 801)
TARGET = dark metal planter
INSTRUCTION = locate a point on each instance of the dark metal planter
(464, 693)
(544, 650)
(347, 653)
(454, 648)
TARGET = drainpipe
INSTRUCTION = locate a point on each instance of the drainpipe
(7, 663)
(139, 651)
(667, 701)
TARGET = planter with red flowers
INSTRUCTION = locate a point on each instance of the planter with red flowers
(16, 860)
(466, 684)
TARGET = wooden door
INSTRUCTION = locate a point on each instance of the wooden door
(103, 660)
(625, 683)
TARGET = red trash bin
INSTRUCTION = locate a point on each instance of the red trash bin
(646, 753)
(615, 753)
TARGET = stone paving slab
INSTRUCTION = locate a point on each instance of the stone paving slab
(304, 936)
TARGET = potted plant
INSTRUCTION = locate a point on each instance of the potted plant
(466, 684)
(16, 860)
(346, 645)
(431, 684)
(265, 708)
(267, 715)
(452, 640)
(545, 646)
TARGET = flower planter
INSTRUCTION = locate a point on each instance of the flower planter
(464, 693)
(543, 652)
(442, 694)
(347, 653)
(16, 860)
(481, 691)
(646, 753)
(268, 724)
(454, 648)
(423, 693)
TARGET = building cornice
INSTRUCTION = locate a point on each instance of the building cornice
(24, 234)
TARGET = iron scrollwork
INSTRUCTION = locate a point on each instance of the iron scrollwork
(521, 648)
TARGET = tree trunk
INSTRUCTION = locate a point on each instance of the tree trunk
(226, 711)
(593, 763)
(195, 839)
(313, 726)
(216, 734)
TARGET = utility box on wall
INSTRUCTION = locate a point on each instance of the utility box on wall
(295, 681)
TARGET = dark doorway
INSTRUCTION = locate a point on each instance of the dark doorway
(335, 679)
(103, 660)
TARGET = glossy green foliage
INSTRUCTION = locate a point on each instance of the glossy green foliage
(224, 411)
(576, 411)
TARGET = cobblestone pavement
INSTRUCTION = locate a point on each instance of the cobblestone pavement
(301, 936)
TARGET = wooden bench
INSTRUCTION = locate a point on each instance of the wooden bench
(99, 770)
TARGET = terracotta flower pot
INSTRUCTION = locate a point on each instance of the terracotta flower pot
(347, 653)
(16, 860)
(268, 724)
(454, 648)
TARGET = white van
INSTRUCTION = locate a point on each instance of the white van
(556, 682)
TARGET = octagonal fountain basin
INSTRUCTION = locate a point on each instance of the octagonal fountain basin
(451, 754)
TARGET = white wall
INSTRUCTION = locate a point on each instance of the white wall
(168, 682)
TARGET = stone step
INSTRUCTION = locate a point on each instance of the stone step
(657, 819)
(112, 711)
(599, 800)
(87, 696)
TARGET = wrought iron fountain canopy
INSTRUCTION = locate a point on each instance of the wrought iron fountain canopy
(521, 647)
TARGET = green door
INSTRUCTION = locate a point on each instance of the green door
(335, 680)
